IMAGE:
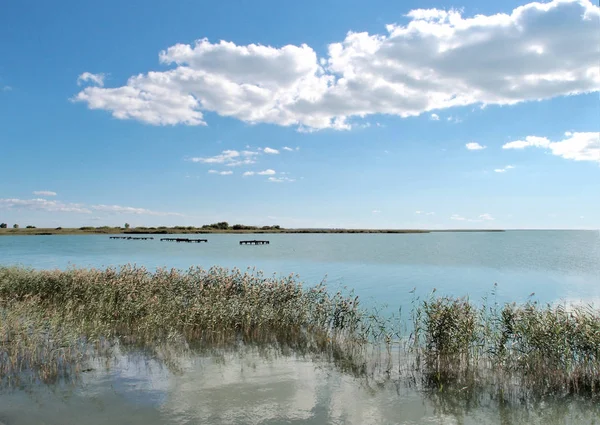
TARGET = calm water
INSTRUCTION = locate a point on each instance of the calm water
(252, 390)
(556, 265)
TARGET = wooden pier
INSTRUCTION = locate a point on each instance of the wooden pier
(184, 240)
(254, 242)
(130, 238)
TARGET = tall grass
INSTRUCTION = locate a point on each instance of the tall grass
(51, 322)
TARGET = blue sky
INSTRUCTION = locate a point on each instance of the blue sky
(378, 114)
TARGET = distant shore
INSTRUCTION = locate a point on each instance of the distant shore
(198, 230)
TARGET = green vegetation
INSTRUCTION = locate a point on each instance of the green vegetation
(52, 321)
(222, 227)
(3, 225)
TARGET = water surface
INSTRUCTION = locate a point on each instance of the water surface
(555, 265)
(249, 389)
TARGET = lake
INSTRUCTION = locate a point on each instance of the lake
(381, 268)
(231, 388)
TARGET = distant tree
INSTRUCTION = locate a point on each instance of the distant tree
(15, 226)
(127, 226)
(3, 225)
(243, 227)
(30, 227)
(58, 228)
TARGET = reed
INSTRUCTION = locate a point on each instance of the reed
(53, 322)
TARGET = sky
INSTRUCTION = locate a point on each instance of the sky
(356, 114)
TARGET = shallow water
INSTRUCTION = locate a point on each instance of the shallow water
(382, 268)
(249, 389)
(252, 389)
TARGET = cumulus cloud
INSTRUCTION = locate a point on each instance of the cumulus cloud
(437, 60)
(270, 151)
(43, 205)
(221, 173)
(230, 158)
(118, 209)
(287, 148)
(88, 77)
(434, 117)
(44, 193)
(505, 169)
(583, 146)
(474, 146)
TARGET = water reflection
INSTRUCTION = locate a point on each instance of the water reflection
(253, 388)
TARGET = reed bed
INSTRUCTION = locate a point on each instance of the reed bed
(53, 322)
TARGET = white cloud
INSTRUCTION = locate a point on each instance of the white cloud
(58, 206)
(486, 217)
(474, 146)
(285, 148)
(424, 213)
(281, 180)
(117, 209)
(434, 117)
(376, 211)
(230, 158)
(438, 60)
(43, 205)
(479, 219)
(268, 172)
(221, 173)
(582, 146)
(88, 77)
(455, 120)
(270, 151)
(505, 169)
(44, 193)
(430, 213)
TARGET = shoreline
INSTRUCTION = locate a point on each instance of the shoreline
(171, 230)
